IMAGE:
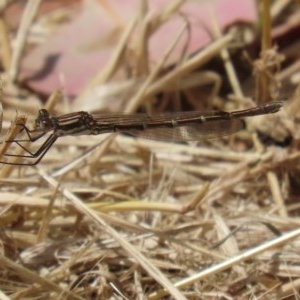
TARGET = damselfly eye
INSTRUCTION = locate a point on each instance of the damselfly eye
(43, 121)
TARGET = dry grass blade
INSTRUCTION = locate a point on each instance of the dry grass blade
(232, 261)
(116, 217)
(12, 133)
(28, 16)
(138, 205)
(132, 252)
(190, 65)
(137, 99)
(33, 278)
(110, 68)
(4, 40)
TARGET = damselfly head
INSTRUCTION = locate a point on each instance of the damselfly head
(43, 121)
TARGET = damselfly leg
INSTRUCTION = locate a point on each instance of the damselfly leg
(24, 146)
(39, 153)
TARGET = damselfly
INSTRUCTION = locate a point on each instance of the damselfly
(180, 126)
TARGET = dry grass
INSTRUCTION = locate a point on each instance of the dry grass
(125, 218)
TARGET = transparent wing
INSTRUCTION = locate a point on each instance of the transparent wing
(160, 118)
(191, 132)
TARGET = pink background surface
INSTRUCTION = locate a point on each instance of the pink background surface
(85, 45)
